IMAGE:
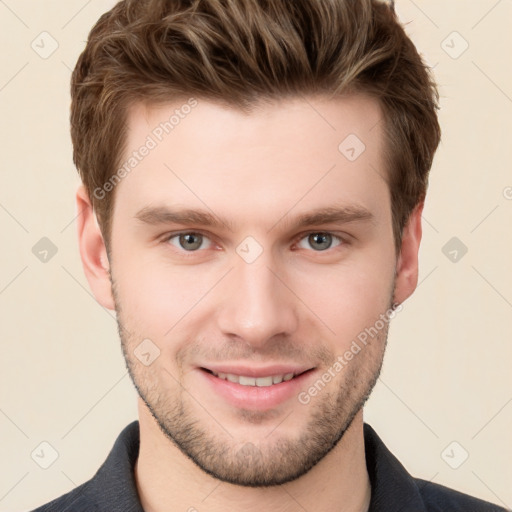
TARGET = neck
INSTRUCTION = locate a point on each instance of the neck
(165, 476)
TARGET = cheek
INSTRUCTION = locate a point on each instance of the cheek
(348, 298)
(156, 295)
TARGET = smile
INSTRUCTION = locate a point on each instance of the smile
(245, 380)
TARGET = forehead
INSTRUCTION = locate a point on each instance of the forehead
(302, 150)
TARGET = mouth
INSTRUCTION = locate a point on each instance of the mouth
(256, 389)
(264, 381)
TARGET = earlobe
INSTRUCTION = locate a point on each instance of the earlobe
(93, 251)
(407, 263)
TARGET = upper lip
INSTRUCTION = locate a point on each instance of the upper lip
(251, 371)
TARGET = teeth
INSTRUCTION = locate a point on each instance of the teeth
(255, 381)
(247, 381)
(264, 381)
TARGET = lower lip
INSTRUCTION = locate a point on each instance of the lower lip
(255, 397)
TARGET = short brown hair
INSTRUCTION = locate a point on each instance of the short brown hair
(241, 52)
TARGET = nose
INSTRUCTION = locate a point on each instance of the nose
(258, 304)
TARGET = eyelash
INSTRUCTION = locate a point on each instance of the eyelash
(343, 240)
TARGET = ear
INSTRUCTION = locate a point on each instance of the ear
(93, 251)
(407, 264)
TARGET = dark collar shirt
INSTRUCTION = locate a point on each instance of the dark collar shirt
(113, 489)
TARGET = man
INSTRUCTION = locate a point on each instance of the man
(254, 175)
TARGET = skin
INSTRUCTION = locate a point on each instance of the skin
(298, 302)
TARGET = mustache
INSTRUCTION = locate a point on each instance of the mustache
(274, 350)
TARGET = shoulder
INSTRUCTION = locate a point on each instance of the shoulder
(438, 498)
(75, 501)
(394, 489)
(112, 488)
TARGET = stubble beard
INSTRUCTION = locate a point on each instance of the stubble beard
(278, 458)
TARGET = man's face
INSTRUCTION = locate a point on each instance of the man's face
(256, 295)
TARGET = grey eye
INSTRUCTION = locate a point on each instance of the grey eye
(187, 241)
(320, 241)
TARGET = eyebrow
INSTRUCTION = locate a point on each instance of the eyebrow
(157, 215)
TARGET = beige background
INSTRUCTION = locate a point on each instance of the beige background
(447, 372)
